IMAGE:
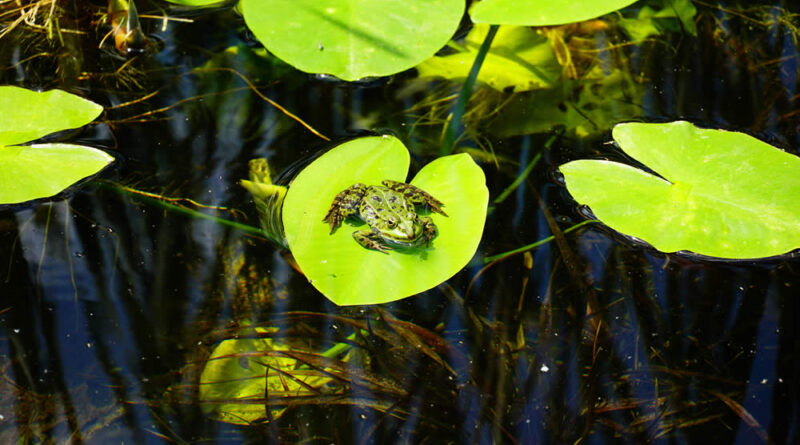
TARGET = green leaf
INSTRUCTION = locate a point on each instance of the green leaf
(723, 194)
(241, 371)
(199, 3)
(43, 170)
(594, 103)
(40, 171)
(349, 274)
(29, 115)
(519, 59)
(672, 15)
(542, 12)
(353, 39)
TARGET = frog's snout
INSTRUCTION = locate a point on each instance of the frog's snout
(407, 229)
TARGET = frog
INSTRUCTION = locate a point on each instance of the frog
(390, 211)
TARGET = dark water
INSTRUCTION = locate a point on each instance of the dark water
(110, 304)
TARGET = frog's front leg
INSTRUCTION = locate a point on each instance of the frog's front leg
(428, 229)
(345, 205)
(416, 195)
(370, 240)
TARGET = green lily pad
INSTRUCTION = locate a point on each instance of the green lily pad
(242, 371)
(353, 39)
(349, 274)
(542, 12)
(29, 115)
(721, 194)
(43, 170)
(199, 3)
(519, 59)
(586, 106)
(660, 16)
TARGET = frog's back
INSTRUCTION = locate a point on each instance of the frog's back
(379, 202)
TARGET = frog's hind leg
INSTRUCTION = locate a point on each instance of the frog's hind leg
(370, 240)
(345, 205)
(428, 230)
(416, 195)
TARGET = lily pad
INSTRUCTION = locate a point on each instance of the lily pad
(198, 3)
(348, 273)
(353, 39)
(660, 16)
(720, 193)
(242, 371)
(29, 115)
(43, 170)
(542, 12)
(519, 59)
(586, 106)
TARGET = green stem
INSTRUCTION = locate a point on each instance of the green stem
(549, 143)
(466, 91)
(337, 349)
(519, 179)
(499, 256)
(183, 210)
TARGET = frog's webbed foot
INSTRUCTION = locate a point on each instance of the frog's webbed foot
(344, 205)
(370, 240)
(415, 195)
(428, 229)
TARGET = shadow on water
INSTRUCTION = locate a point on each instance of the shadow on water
(110, 307)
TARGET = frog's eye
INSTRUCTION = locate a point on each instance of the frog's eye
(391, 222)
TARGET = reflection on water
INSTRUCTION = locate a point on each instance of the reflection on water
(110, 306)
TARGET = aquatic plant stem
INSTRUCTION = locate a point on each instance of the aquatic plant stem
(518, 179)
(454, 123)
(549, 143)
(337, 349)
(500, 256)
(155, 200)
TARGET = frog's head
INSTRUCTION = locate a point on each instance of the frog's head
(402, 227)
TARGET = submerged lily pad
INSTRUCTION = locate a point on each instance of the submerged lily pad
(348, 273)
(721, 194)
(199, 3)
(519, 59)
(353, 39)
(586, 106)
(542, 12)
(660, 16)
(43, 170)
(242, 372)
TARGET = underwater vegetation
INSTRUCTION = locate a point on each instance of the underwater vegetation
(383, 221)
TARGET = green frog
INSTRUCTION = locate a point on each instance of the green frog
(389, 211)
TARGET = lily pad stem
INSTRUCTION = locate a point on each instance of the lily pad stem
(144, 197)
(549, 143)
(500, 256)
(466, 91)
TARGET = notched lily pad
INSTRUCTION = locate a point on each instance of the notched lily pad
(519, 59)
(348, 273)
(542, 12)
(40, 171)
(353, 39)
(721, 194)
